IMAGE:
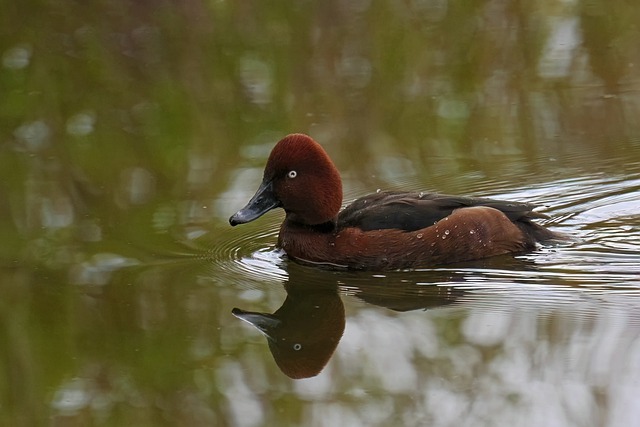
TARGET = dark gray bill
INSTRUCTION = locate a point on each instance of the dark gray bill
(262, 202)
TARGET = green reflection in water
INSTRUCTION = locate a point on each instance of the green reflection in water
(130, 129)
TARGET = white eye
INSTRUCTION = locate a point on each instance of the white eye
(292, 174)
(297, 347)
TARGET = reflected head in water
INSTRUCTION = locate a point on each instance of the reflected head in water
(384, 230)
(304, 332)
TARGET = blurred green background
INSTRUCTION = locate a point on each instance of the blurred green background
(131, 130)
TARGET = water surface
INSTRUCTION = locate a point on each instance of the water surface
(131, 131)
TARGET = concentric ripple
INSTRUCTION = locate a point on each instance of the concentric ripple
(248, 253)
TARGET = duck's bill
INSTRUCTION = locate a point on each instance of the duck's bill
(262, 202)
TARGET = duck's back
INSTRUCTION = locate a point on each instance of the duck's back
(411, 211)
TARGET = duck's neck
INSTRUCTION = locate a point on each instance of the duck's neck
(304, 241)
(325, 227)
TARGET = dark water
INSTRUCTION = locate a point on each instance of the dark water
(131, 131)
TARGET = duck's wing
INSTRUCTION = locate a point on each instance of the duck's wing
(413, 211)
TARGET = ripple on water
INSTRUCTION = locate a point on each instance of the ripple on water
(599, 211)
(250, 255)
(583, 302)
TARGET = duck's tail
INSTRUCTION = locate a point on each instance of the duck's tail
(536, 233)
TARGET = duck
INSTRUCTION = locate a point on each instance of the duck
(385, 230)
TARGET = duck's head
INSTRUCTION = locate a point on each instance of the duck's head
(300, 178)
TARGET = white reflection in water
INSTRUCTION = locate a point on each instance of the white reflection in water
(242, 402)
(252, 295)
(359, 335)
(355, 70)
(98, 269)
(56, 213)
(558, 53)
(34, 135)
(525, 364)
(138, 185)
(200, 169)
(486, 328)
(257, 78)
(72, 396)
(81, 124)
(244, 184)
(17, 57)
(453, 109)
(331, 414)
(318, 388)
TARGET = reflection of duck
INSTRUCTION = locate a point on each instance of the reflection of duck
(304, 332)
(387, 230)
(399, 295)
